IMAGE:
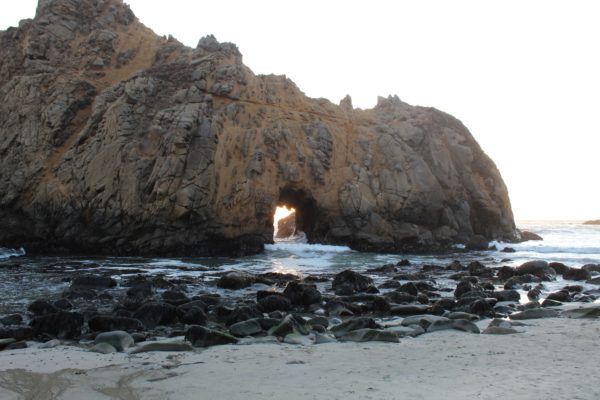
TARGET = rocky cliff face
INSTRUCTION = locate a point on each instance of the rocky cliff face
(114, 140)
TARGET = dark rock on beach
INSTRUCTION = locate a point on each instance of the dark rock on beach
(349, 282)
(93, 282)
(62, 325)
(106, 323)
(153, 314)
(200, 336)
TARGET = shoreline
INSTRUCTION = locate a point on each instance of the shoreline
(551, 358)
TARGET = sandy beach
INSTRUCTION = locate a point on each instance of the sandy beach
(551, 358)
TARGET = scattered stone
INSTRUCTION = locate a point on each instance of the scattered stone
(535, 313)
(246, 328)
(576, 274)
(423, 321)
(19, 333)
(505, 273)
(93, 282)
(370, 335)
(107, 323)
(153, 314)
(274, 302)
(200, 336)
(50, 344)
(538, 268)
(562, 296)
(352, 325)
(297, 338)
(4, 343)
(291, 323)
(302, 294)
(583, 312)
(527, 236)
(14, 319)
(170, 347)
(63, 304)
(322, 338)
(462, 315)
(120, 340)
(506, 295)
(351, 281)
(498, 330)
(409, 309)
(62, 325)
(103, 348)
(236, 280)
(42, 307)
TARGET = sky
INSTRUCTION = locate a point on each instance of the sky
(523, 76)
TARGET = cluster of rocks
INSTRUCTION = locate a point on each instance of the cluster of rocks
(97, 311)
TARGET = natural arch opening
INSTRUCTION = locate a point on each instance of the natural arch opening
(295, 216)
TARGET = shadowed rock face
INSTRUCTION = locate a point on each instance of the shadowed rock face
(115, 140)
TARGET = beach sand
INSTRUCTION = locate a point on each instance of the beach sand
(554, 358)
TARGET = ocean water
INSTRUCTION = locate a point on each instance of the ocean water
(23, 278)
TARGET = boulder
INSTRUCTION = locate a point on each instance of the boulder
(538, 268)
(194, 316)
(120, 340)
(506, 295)
(103, 348)
(200, 336)
(169, 347)
(351, 282)
(576, 274)
(517, 282)
(107, 323)
(153, 314)
(93, 282)
(291, 323)
(353, 324)
(535, 313)
(42, 307)
(583, 312)
(302, 294)
(528, 236)
(409, 309)
(370, 335)
(274, 302)
(246, 328)
(19, 333)
(236, 280)
(62, 325)
(13, 319)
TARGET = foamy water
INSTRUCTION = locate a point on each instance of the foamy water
(23, 278)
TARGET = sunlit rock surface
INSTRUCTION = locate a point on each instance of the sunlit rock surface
(116, 140)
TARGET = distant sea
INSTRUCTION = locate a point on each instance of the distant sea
(23, 278)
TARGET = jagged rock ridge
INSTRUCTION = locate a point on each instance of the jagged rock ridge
(115, 140)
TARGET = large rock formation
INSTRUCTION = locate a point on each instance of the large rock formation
(115, 140)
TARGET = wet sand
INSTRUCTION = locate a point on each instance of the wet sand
(551, 358)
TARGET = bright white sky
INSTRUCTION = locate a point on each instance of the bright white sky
(524, 76)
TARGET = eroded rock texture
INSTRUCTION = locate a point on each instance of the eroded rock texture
(115, 140)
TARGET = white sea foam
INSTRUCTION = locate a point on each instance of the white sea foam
(305, 248)
(8, 253)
